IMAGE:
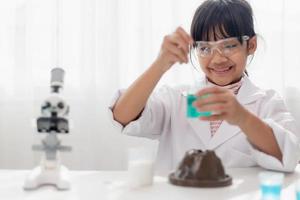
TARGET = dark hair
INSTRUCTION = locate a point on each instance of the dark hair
(218, 19)
(230, 18)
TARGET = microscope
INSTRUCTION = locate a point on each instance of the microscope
(53, 121)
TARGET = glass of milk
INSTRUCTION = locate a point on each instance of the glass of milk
(140, 166)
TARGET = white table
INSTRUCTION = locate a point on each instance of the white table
(110, 185)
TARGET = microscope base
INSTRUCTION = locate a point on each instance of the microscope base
(57, 176)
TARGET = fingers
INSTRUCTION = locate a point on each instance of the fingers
(211, 98)
(182, 39)
(185, 35)
(211, 90)
(179, 41)
(216, 108)
(174, 58)
(177, 52)
(214, 117)
(178, 44)
(218, 103)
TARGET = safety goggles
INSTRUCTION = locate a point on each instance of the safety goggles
(226, 47)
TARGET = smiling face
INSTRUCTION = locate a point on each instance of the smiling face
(216, 20)
(227, 61)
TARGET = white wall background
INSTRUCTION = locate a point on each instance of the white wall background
(104, 45)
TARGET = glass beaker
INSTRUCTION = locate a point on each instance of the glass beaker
(140, 166)
(270, 185)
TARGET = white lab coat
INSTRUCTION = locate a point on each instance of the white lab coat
(164, 118)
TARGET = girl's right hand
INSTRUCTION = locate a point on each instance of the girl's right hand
(175, 48)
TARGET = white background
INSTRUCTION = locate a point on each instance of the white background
(104, 45)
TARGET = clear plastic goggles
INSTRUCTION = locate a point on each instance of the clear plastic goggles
(225, 47)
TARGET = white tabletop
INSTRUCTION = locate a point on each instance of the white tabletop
(111, 185)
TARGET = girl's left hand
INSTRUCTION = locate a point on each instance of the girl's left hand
(223, 102)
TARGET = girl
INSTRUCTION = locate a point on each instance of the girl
(250, 126)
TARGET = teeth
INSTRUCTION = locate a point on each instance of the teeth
(222, 70)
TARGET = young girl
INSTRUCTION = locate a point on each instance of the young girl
(250, 126)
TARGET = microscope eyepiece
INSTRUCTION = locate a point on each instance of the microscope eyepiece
(57, 79)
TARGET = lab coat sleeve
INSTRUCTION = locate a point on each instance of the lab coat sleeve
(153, 120)
(276, 115)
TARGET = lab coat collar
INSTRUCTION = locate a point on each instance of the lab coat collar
(248, 93)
